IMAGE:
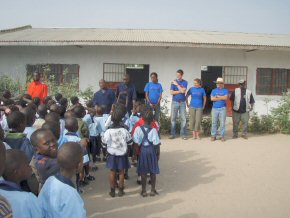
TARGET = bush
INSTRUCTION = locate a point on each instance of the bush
(281, 114)
(206, 125)
(11, 84)
(262, 124)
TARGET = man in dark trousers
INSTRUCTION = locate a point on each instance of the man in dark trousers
(243, 102)
(126, 93)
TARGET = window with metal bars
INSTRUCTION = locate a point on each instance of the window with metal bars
(59, 73)
(114, 72)
(272, 81)
(232, 75)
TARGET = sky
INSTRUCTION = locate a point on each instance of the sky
(251, 16)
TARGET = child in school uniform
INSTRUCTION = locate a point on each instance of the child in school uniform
(17, 169)
(71, 125)
(91, 122)
(15, 138)
(44, 163)
(83, 129)
(55, 129)
(147, 138)
(101, 119)
(136, 115)
(41, 112)
(116, 139)
(30, 119)
(65, 200)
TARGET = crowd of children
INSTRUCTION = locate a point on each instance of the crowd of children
(51, 147)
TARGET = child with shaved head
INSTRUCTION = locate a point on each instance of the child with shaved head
(44, 163)
(17, 169)
(65, 200)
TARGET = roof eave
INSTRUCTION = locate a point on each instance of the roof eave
(142, 44)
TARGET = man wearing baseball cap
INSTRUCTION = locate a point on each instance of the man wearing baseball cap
(243, 102)
(219, 98)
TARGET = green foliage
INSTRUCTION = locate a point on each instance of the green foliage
(206, 125)
(281, 114)
(11, 84)
(66, 88)
(87, 94)
(262, 124)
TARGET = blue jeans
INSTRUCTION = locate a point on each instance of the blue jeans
(218, 114)
(181, 108)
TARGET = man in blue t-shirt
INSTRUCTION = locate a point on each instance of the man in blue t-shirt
(178, 90)
(153, 91)
(104, 97)
(219, 97)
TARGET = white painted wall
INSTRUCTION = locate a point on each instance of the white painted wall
(164, 61)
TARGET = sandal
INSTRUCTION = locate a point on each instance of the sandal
(144, 194)
(90, 178)
(153, 193)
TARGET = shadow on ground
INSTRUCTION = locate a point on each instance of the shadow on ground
(180, 172)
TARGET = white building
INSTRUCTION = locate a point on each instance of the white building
(262, 59)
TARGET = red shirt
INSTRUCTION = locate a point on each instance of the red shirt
(37, 89)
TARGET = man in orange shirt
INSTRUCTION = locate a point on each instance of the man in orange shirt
(37, 88)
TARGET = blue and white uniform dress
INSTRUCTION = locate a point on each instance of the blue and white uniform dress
(117, 139)
(148, 139)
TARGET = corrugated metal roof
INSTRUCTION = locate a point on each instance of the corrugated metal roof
(28, 36)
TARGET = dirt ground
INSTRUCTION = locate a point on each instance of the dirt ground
(233, 179)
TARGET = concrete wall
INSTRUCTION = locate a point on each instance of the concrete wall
(164, 61)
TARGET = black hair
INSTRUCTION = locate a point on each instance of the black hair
(147, 115)
(118, 114)
(21, 102)
(90, 104)
(15, 119)
(52, 117)
(71, 124)
(42, 111)
(69, 114)
(54, 108)
(34, 139)
(63, 102)
(37, 101)
(54, 127)
(74, 100)
(58, 96)
(79, 111)
(100, 110)
(155, 74)
(46, 99)
(62, 111)
(14, 160)
(6, 94)
(32, 106)
(69, 156)
(29, 115)
(180, 72)
(8, 102)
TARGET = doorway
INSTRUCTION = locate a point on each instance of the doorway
(139, 76)
(209, 74)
